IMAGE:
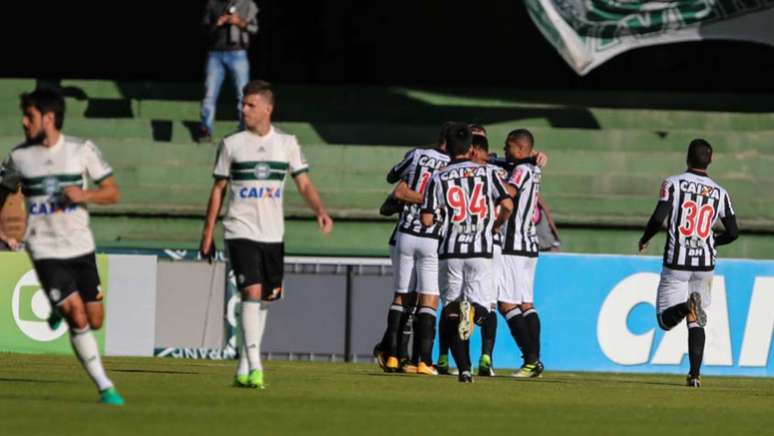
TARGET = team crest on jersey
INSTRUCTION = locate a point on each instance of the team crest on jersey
(262, 171)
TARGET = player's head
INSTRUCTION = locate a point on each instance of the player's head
(441, 144)
(699, 154)
(257, 103)
(519, 144)
(42, 111)
(480, 148)
(478, 129)
(458, 139)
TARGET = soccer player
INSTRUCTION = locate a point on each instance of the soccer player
(693, 202)
(59, 175)
(254, 165)
(520, 252)
(417, 254)
(464, 195)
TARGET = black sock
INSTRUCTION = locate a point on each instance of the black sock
(695, 349)
(533, 327)
(460, 349)
(518, 327)
(673, 315)
(489, 333)
(393, 329)
(425, 333)
(415, 340)
(405, 329)
(443, 340)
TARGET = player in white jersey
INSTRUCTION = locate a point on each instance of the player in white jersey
(520, 252)
(59, 175)
(417, 256)
(693, 202)
(464, 195)
(254, 165)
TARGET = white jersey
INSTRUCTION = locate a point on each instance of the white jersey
(55, 229)
(416, 169)
(696, 203)
(502, 173)
(257, 167)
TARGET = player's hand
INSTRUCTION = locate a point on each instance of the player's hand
(325, 222)
(12, 243)
(541, 159)
(234, 19)
(74, 194)
(643, 246)
(223, 19)
(207, 249)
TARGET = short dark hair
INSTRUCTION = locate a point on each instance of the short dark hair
(458, 139)
(475, 126)
(45, 100)
(444, 130)
(260, 87)
(699, 154)
(480, 142)
(520, 135)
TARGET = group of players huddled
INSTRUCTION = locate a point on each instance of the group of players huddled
(465, 239)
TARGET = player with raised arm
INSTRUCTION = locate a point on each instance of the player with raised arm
(463, 197)
(254, 164)
(692, 202)
(60, 174)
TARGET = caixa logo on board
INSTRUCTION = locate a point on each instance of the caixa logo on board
(625, 347)
(30, 309)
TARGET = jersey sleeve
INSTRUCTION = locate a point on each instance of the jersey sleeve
(296, 160)
(725, 207)
(222, 169)
(9, 176)
(497, 187)
(519, 177)
(400, 170)
(432, 195)
(96, 166)
(667, 190)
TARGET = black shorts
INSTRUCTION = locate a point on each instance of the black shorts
(258, 263)
(62, 277)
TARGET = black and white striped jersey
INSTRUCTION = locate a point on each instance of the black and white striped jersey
(416, 169)
(502, 173)
(519, 235)
(696, 204)
(464, 195)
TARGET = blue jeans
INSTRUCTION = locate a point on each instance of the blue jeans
(218, 62)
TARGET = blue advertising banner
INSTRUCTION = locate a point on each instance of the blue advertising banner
(598, 314)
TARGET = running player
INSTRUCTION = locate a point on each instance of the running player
(693, 202)
(54, 171)
(417, 254)
(520, 252)
(255, 163)
(465, 195)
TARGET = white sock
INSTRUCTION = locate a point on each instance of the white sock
(85, 347)
(253, 324)
(243, 368)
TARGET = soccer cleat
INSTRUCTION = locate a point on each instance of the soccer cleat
(693, 382)
(425, 369)
(529, 370)
(111, 396)
(255, 379)
(407, 367)
(242, 381)
(443, 364)
(694, 307)
(465, 377)
(379, 356)
(485, 366)
(392, 364)
(467, 314)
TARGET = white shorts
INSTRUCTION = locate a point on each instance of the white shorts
(497, 274)
(394, 259)
(675, 286)
(469, 279)
(417, 257)
(518, 279)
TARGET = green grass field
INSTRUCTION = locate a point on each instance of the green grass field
(44, 395)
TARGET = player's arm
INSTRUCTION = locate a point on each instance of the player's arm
(429, 204)
(550, 219)
(106, 192)
(662, 210)
(506, 208)
(12, 243)
(397, 171)
(728, 218)
(215, 202)
(9, 183)
(403, 193)
(307, 190)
